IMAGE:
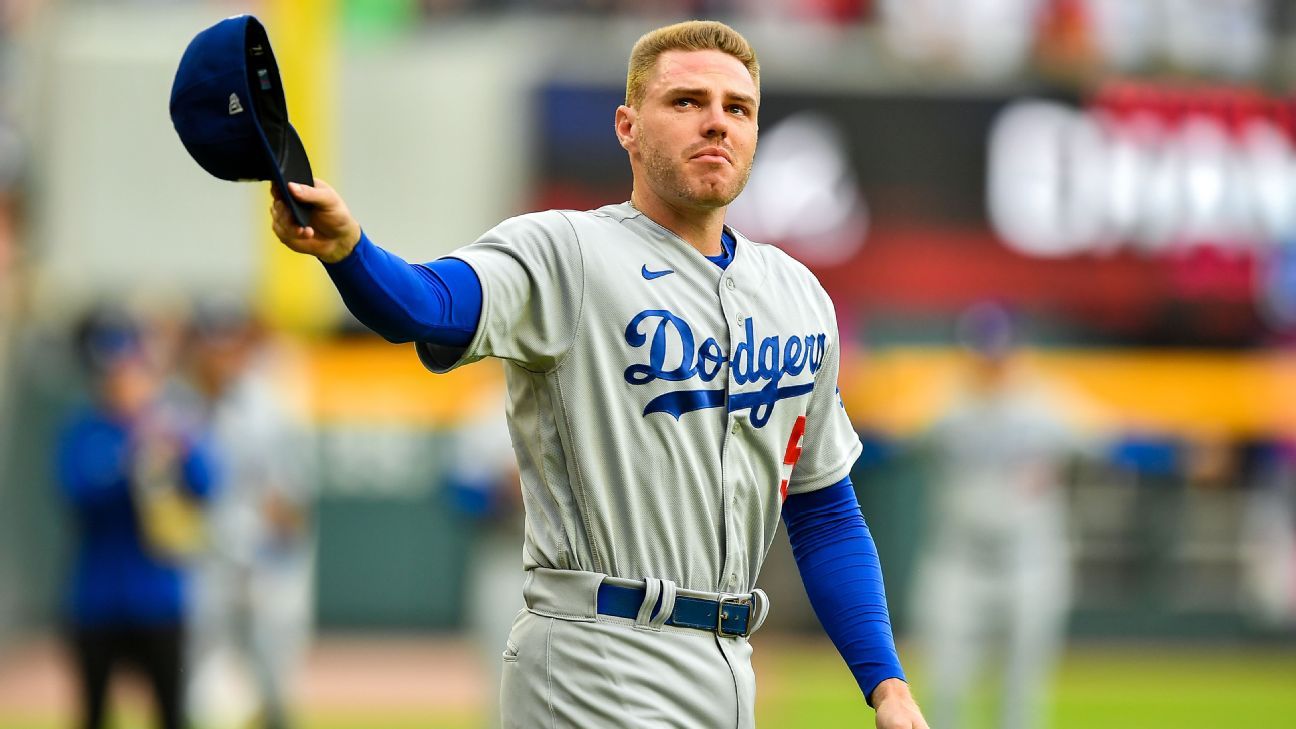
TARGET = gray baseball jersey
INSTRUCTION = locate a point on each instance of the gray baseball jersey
(661, 408)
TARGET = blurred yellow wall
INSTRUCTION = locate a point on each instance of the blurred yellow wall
(898, 391)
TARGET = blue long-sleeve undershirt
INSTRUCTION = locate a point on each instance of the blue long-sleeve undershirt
(437, 302)
(440, 302)
(839, 566)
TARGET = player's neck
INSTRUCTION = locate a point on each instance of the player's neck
(699, 228)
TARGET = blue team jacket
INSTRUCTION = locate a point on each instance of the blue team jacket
(115, 581)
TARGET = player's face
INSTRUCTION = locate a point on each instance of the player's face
(693, 137)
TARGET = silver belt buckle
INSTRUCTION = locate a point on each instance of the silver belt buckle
(721, 614)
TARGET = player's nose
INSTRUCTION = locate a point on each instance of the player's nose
(715, 122)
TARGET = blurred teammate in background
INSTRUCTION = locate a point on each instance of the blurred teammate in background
(12, 195)
(133, 470)
(994, 579)
(252, 607)
(482, 482)
(1269, 538)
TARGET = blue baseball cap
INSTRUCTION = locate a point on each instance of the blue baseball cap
(988, 329)
(107, 335)
(227, 105)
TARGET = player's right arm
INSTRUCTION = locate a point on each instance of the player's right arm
(516, 293)
(438, 302)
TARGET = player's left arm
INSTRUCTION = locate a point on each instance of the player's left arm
(839, 566)
(835, 552)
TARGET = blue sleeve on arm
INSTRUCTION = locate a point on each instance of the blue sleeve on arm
(199, 468)
(437, 302)
(843, 577)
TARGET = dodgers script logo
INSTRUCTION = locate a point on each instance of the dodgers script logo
(767, 361)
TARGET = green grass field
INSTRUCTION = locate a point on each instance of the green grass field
(1117, 687)
(1096, 688)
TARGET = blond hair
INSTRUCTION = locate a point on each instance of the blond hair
(691, 35)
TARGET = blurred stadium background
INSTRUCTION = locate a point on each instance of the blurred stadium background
(1118, 175)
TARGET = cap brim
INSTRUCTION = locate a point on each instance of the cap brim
(294, 166)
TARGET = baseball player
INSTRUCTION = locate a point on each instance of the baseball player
(481, 481)
(993, 584)
(672, 391)
(254, 582)
(132, 467)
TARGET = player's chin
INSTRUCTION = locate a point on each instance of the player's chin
(709, 200)
(721, 196)
(714, 193)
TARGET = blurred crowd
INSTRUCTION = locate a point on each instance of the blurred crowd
(1073, 39)
(987, 38)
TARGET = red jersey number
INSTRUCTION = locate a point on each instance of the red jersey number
(792, 454)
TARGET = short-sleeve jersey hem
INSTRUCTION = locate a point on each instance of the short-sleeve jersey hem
(830, 477)
(532, 279)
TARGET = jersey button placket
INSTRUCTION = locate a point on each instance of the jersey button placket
(731, 308)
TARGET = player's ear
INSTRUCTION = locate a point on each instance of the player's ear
(626, 116)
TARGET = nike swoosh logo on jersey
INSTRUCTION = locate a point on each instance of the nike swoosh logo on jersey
(650, 275)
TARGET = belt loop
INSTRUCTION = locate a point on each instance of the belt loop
(526, 589)
(563, 594)
(760, 610)
(652, 590)
(669, 590)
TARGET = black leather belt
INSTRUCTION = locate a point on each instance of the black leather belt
(730, 615)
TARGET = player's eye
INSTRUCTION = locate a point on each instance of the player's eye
(738, 109)
(685, 101)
